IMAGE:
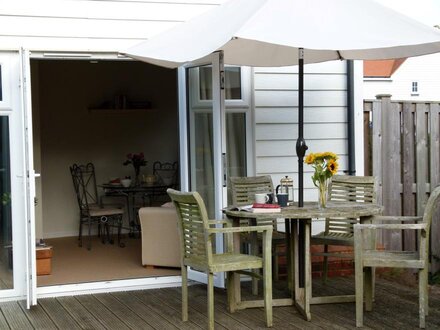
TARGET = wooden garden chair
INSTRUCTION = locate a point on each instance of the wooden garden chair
(339, 231)
(367, 257)
(197, 235)
(243, 190)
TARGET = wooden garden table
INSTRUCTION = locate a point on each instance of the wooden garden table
(298, 230)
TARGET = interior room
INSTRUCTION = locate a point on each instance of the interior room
(96, 111)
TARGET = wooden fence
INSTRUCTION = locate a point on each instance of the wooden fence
(402, 150)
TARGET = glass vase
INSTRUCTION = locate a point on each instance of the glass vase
(323, 193)
(137, 179)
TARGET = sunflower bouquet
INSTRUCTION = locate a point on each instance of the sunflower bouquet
(325, 165)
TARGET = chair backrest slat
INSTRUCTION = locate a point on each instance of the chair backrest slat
(166, 173)
(347, 188)
(84, 182)
(193, 222)
(243, 189)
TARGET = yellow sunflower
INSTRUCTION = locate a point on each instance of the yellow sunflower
(310, 159)
(332, 166)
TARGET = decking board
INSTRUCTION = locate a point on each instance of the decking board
(143, 311)
(395, 307)
(80, 314)
(15, 316)
(58, 314)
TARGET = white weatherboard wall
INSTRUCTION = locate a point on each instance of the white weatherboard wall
(325, 117)
(276, 117)
(91, 26)
(425, 70)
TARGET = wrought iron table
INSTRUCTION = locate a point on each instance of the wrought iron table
(130, 193)
(298, 230)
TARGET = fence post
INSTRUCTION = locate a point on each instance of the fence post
(434, 150)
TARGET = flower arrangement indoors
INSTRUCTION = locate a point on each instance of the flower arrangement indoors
(325, 165)
(137, 160)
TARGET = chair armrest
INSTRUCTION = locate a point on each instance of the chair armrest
(395, 218)
(240, 229)
(228, 223)
(414, 226)
(266, 230)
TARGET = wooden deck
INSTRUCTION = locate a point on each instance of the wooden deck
(395, 308)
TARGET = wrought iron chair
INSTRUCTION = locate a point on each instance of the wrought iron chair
(367, 256)
(167, 175)
(91, 212)
(243, 190)
(197, 235)
(339, 231)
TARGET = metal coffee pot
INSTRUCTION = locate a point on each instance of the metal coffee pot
(286, 187)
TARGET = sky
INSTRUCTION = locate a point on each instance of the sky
(425, 11)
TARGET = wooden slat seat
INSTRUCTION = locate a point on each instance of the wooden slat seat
(339, 231)
(367, 257)
(197, 235)
(243, 190)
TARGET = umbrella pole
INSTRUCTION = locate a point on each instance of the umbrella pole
(301, 146)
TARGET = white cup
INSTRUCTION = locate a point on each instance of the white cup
(261, 198)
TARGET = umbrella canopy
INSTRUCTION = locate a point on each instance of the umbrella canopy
(269, 33)
(290, 32)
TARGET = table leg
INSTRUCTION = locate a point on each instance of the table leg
(289, 256)
(302, 266)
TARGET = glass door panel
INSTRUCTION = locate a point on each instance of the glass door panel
(202, 167)
(6, 262)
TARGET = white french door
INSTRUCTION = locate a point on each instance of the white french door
(29, 180)
(203, 140)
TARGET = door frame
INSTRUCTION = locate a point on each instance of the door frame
(27, 262)
(219, 143)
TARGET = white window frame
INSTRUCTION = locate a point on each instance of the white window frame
(243, 103)
(414, 88)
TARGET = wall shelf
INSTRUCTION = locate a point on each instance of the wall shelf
(120, 111)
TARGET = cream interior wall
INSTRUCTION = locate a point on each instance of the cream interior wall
(71, 134)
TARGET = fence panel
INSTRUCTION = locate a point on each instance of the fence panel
(404, 155)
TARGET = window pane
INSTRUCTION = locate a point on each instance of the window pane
(1, 85)
(232, 83)
(6, 266)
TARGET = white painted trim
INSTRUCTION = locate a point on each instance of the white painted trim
(358, 72)
(108, 286)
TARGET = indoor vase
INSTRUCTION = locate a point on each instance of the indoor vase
(137, 179)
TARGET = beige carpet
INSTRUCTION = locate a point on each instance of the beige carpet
(74, 264)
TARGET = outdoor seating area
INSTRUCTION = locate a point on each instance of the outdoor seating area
(351, 208)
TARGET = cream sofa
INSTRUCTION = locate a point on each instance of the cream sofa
(160, 239)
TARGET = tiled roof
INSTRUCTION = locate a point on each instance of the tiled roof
(382, 68)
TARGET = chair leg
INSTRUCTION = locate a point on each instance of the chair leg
(422, 291)
(325, 265)
(359, 280)
(267, 290)
(231, 291)
(184, 293)
(89, 243)
(211, 301)
(275, 258)
(368, 288)
(80, 233)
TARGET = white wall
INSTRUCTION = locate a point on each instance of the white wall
(71, 134)
(276, 117)
(423, 69)
(104, 26)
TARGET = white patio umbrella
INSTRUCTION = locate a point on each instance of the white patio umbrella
(280, 32)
